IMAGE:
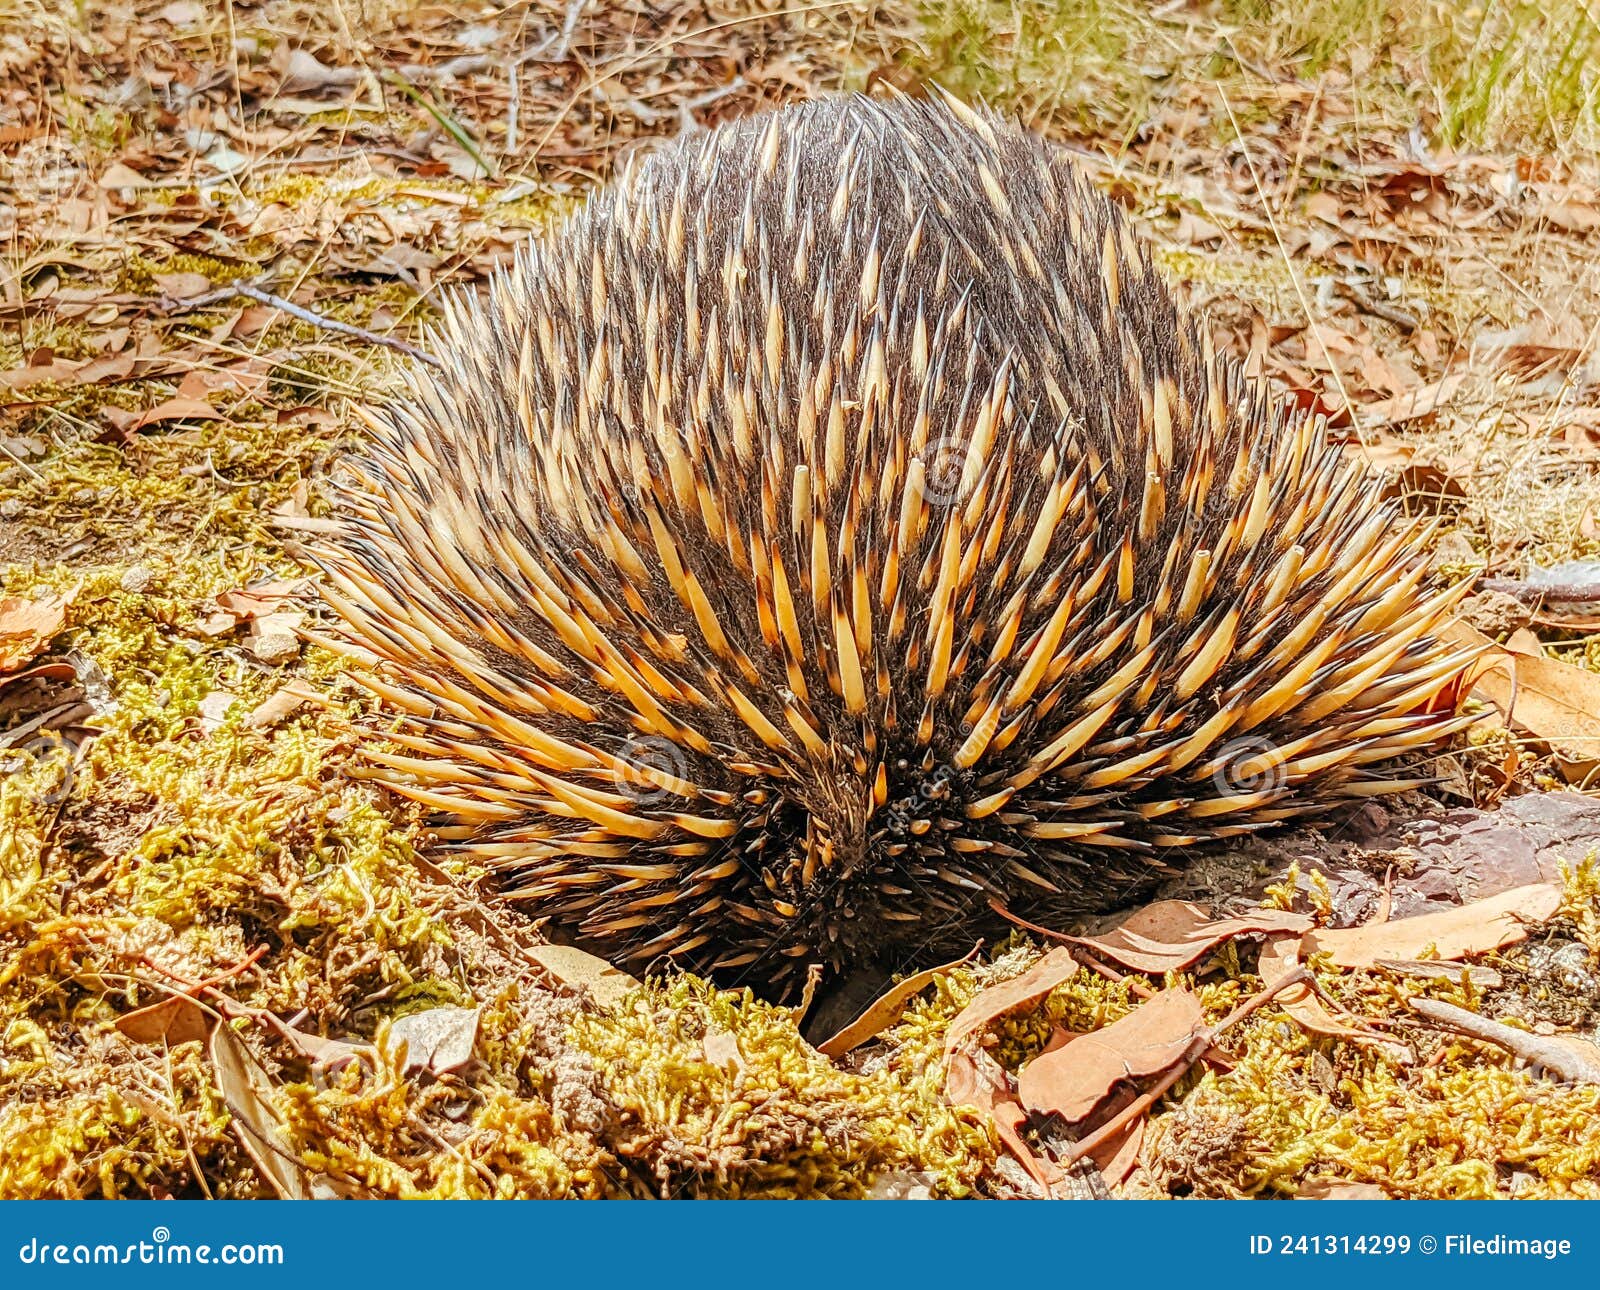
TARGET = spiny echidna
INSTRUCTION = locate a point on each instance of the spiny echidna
(838, 524)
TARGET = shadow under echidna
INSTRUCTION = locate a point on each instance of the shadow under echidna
(838, 526)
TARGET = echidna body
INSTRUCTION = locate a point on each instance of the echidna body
(838, 526)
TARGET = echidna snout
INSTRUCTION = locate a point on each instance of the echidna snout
(837, 525)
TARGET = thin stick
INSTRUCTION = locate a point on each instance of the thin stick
(1080, 947)
(1554, 593)
(1568, 1057)
(252, 292)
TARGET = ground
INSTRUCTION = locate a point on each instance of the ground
(229, 966)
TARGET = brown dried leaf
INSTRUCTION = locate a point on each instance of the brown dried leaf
(26, 627)
(176, 409)
(882, 1012)
(1076, 1078)
(1169, 935)
(247, 1089)
(177, 1019)
(1557, 703)
(56, 371)
(1281, 958)
(607, 984)
(252, 602)
(1474, 928)
(1044, 976)
(974, 1078)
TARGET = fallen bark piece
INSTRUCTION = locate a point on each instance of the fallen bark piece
(1075, 1078)
(1170, 935)
(1474, 928)
(1566, 1057)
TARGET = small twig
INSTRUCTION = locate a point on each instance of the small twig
(1080, 950)
(252, 292)
(513, 107)
(1565, 1057)
(569, 25)
(1534, 593)
(1377, 308)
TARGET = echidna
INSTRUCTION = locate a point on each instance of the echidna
(837, 525)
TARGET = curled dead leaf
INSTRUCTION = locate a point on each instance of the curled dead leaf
(27, 626)
(1169, 935)
(608, 985)
(882, 1012)
(177, 1019)
(248, 1090)
(1473, 928)
(1557, 703)
(1281, 958)
(997, 1000)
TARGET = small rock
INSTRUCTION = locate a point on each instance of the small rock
(10, 509)
(137, 580)
(1494, 613)
(25, 447)
(273, 648)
